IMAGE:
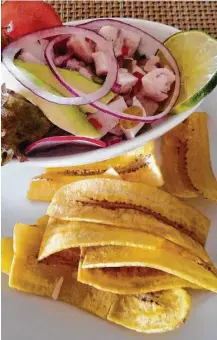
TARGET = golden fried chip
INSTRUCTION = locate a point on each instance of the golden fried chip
(174, 164)
(131, 280)
(42, 222)
(151, 313)
(62, 235)
(7, 254)
(44, 186)
(120, 163)
(106, 201)
(149, 173)
(139, 165)
(157, 312)
(179, 263)
(198, 156)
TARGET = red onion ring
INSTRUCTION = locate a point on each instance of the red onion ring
(60, 140)
(103, 90)
(10, 51)
(96, 25)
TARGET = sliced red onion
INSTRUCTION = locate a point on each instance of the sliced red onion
(11, 50)
(107, 85)
(96, 25)
(52, 142)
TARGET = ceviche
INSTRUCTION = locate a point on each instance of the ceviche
(93, 84)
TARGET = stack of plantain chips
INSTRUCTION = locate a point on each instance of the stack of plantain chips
(113, 243)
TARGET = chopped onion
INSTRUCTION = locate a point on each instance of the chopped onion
(96, 25)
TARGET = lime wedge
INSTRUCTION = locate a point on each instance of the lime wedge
(196, 56)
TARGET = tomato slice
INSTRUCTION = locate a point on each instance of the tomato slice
(23, 17)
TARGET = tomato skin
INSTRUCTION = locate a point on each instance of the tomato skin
(27, 16)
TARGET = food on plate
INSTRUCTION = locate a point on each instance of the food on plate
(103, 247)
(104, 79)
(186, 162)
(21, 123)
(149, 313)
(127, 203)
(139, 165)
(130, 220)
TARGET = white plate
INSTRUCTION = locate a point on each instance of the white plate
(160, 31)
(26, 317)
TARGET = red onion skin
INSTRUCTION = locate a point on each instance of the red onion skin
(54, 141)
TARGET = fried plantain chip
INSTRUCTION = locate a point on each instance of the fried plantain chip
(182, 265)
(42, 222)
(44, 186)
(174, 164)
(7, 254)
(198, 156)
(61, 235)
(131, 280)
(114, 201)
(139, 165)
(186, 164)
(120, 163)
(149, 174)
(148, 312)
(156, 312)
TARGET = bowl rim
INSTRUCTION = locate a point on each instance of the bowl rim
(125, 146)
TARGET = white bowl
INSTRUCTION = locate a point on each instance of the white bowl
(161, 32)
